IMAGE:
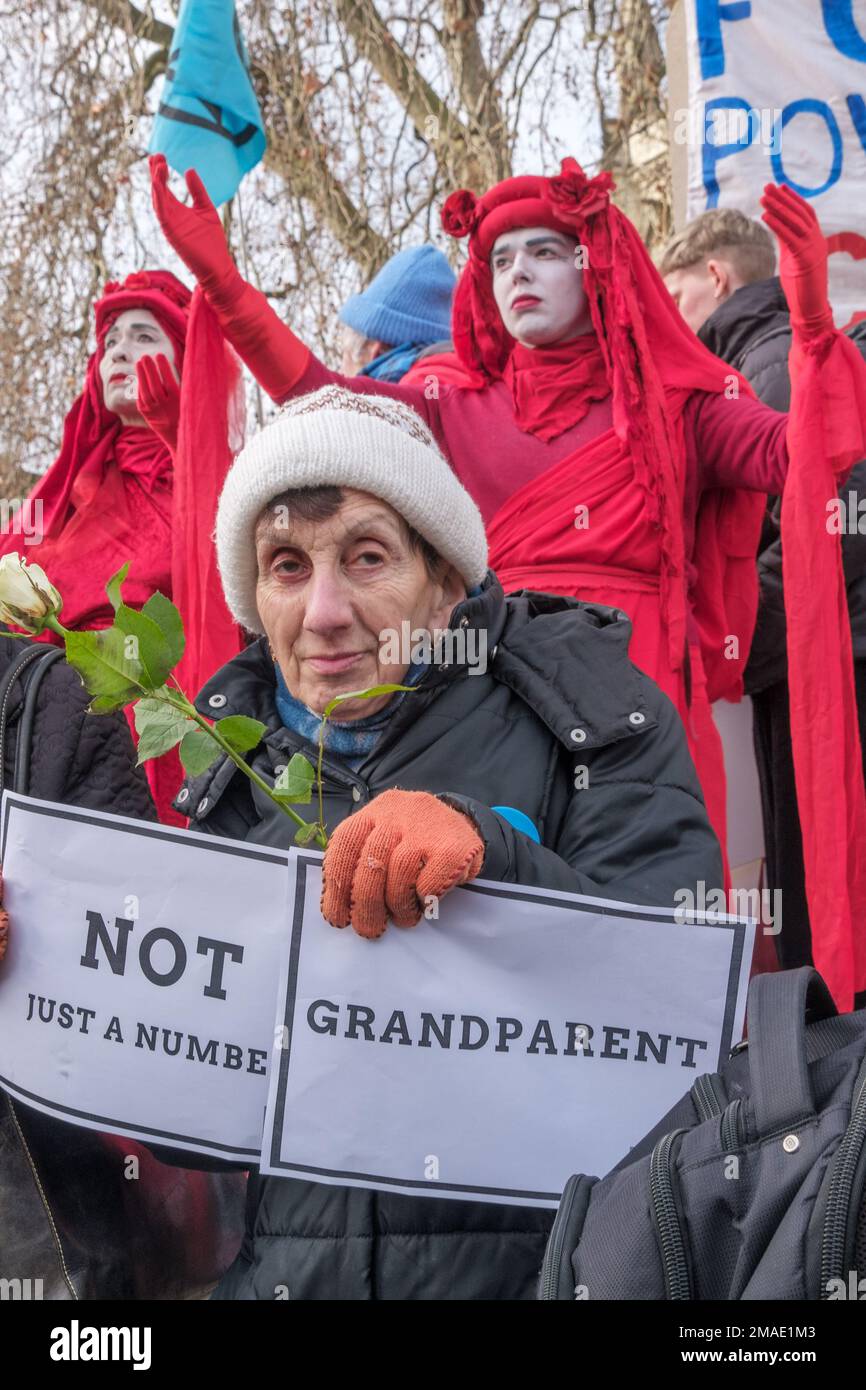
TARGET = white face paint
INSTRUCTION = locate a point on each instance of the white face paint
(538, 286)
(134, 334)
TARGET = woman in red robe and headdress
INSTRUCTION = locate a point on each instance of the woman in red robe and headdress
(126, 485)
(615, 459)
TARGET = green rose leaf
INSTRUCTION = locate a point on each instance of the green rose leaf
(197, 751)
(144, 641)
(305, 833)
(162, 611)
(240, 732)
(295, 782)
(103, 663)
(159, 727)
(370, 694)
(112, 588)
(104, 704)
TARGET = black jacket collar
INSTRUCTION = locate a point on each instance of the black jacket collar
(750, 313)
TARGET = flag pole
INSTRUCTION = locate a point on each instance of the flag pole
(245, 260)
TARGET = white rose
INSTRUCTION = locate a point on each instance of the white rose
(27, 596)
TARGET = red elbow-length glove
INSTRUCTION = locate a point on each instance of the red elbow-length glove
(276, 358)
(386, 860)
(803, 259)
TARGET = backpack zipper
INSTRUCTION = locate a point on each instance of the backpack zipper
(844, 1170)
(676, 1270)
(705, 1098)
(553, 1253)
(731, 1130)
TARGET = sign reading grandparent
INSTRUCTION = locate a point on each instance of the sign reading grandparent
(168, 986)
(777, 93)
(489, 1054)
(139, 988)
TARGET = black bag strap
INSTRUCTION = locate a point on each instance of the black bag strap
(30, 667)
(780, 1005)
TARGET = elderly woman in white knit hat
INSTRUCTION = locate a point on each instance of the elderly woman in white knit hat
(342, 529)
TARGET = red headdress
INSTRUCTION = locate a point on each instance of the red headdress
(652, 361)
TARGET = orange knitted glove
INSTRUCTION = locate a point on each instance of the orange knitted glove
(385, 860)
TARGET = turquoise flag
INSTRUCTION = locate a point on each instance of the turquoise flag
(208, 118)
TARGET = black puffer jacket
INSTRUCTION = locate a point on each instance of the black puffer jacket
(560, 693)
(752, 331)
(77, 758)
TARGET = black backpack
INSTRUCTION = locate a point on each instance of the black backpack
(752, 1187)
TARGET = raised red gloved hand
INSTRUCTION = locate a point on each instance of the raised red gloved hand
(159, 397)
(195, 232)
(802, 258)
(387, 859)
(276, 358)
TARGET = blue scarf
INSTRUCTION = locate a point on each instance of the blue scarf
(352, 740)
(393, 364)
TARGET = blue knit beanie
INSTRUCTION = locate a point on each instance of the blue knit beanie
(409, 301)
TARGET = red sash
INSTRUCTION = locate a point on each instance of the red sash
(582, 529)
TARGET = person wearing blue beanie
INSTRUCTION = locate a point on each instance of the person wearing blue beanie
(405, 308)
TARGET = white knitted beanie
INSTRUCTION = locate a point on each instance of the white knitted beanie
(372, 443)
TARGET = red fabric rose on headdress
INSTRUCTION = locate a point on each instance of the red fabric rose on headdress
(460, 213)
(572, 191)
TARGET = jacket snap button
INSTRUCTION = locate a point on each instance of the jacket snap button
(637, 718)
(202, 806)
(183, 794)
(217, 701)
(279, 769)
(578, 735)
(790, 1143)
(464, 622)
(356, 793)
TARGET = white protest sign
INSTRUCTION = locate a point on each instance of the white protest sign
(139, 988)
(777, 93)
(522, 1037)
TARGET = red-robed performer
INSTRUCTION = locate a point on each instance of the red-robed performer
(617, 460)
(137, 479)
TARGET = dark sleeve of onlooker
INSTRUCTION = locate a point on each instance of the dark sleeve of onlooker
(765, 366)
(85, 759)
